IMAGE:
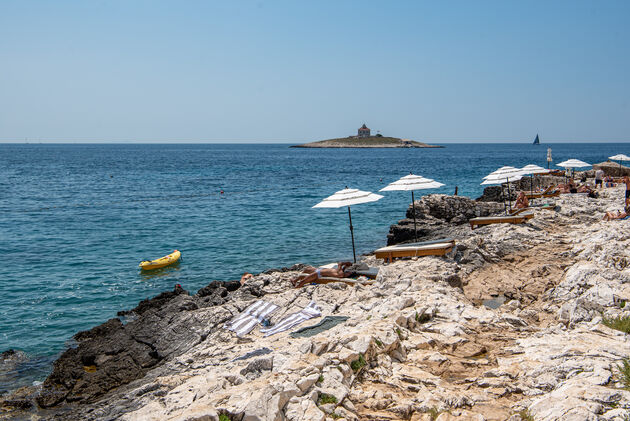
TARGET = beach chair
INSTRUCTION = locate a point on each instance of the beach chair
(548, 192)
(368, 272)
(519, 211)
(547, 206)
(427, 248)
(509, 219)
(527, 213)
(554, 193)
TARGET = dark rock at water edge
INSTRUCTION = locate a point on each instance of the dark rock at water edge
(151, 303)
(439, 216)
(114, 354)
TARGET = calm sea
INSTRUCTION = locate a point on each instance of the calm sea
(75, 220)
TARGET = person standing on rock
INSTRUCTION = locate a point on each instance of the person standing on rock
(599, 177)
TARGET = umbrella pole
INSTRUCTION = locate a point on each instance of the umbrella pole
(354, 255)
(503, 197)
(531, 183)
(619, 168)
(509, 194)
(415, 230)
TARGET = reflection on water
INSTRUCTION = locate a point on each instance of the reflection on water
(160, 273)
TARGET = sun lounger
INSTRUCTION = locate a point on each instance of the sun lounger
(429, 248)
(426, 243)
(368, 272)
(555, 193)
(510, 219)
(527, 213)
(519, 211)
(548, 192)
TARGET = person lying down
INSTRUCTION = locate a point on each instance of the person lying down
(312, 274)
(609, 216)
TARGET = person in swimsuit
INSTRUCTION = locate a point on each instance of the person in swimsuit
(311, 274)
(246, 277)
(626, 180)
(521, 201)
(619, 215)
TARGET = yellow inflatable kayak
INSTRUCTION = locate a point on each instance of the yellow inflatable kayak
(169, 259)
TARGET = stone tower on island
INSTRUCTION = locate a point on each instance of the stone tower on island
(364, 131)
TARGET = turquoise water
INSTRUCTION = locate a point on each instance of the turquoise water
(77, 219)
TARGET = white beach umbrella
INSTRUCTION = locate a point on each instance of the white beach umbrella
(532, 170)
(348, 197)
(412, 182)
(620, 157)
(507, 172)
(501, 176)
(573, 164)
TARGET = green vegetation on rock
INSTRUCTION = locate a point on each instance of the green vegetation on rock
(358, 364)
(624, 370)
(325, 398)
(618, 323)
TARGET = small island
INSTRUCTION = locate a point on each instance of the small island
(364, 139)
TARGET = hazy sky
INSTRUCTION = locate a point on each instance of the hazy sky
(295, 71)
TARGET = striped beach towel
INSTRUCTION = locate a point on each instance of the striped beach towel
(294, 319)
(243, 323)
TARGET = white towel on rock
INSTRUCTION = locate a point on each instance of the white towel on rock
(294, 319)
(243, 323)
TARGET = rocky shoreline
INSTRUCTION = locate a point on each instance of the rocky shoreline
(418, 344)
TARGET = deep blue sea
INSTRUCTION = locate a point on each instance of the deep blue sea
(76, 219)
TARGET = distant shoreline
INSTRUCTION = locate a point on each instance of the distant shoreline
(366, 142)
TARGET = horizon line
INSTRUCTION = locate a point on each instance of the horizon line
(251, 142)
(248, 142)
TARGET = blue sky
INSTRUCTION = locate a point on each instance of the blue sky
(294, 71)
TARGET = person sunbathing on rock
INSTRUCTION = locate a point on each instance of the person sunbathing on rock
(311, 274)
(246, 277)
(563, 188)
(521, 201)
(588, 190)
(609, 216)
